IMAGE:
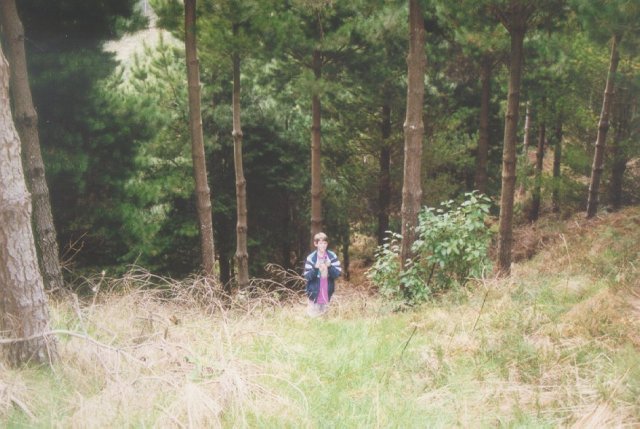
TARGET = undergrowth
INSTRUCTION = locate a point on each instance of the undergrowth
(554, 345)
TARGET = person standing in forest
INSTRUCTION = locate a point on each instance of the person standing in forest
(321, 268)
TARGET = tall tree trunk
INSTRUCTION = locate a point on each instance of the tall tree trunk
(203, 195)
(623, 114)
(413, 130)
(27, 125)
(316, 164)
(537, 187)
(603, 127)
(527, 130)
(483, 136)
(242, 256)
(509, 151)
(24, 313)
(384, 179)
(525, 144)
(557, 160)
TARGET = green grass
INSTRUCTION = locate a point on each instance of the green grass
(555, 345)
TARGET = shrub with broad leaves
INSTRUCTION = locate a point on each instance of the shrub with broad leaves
(451, 247)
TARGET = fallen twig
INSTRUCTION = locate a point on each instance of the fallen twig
(71, 334)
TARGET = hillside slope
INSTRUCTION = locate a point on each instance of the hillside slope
(555, 345)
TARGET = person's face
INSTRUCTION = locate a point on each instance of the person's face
(321, 245)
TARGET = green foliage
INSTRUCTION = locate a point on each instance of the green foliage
(386, 272)
(577, 159)
(449, 159)
(571, 193)
(88, 133)
(455, 240)
(451, 247)
(73, 24)
(161, 224)
(602, 20)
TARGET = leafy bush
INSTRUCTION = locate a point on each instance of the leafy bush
(386, 270)
(450, 248)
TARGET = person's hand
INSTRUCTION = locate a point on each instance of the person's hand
(324, 269)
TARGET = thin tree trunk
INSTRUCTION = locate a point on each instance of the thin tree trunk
(483, 137)
(316, 164)
(537, 187)
(203, 195)
(603, 127)
(509, 152)
(413, 131)
(525, 144)
(27, 125)
(557, 160)
(23, 303)
(384, 180)
(242, 256)
(623, 114)
(527, 130)
(346, 260)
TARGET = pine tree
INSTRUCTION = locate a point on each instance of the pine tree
(24, 313)
(603, 127)
(517, 16)
(242, 256)
(413, 130)
(27, 125)
(534, 213)
(203, 199)
(617, 21)
(87, 136)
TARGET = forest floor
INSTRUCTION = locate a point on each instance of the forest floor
(557, 344)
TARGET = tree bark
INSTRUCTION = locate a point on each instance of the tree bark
(413, 131)
(624, 113)
(509, 151)
(483, 135)
(384, 180)
(242, 256)
(23, 304)
(603, 127)
(316, 160)
(557, 161)
(537, 187)
(346, 260)
(203, 195)
(27, 125)
(525, 145)
(527, 130)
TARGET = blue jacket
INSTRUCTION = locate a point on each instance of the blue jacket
(312, 274)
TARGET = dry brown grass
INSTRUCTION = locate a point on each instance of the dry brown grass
(174, 341)
(13, 393)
